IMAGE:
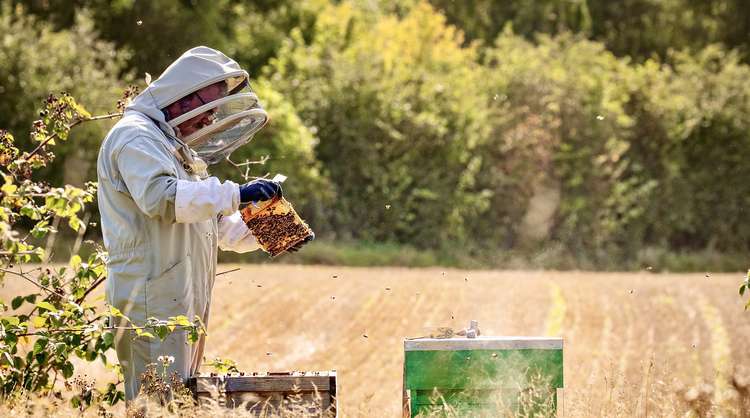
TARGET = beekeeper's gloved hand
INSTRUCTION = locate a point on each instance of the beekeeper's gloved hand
(259, 190)
(297, 246)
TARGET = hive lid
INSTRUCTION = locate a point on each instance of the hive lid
(484, 343)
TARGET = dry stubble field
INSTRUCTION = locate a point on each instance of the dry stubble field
(636, 344)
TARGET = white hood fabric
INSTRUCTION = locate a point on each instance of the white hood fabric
(161, 224)
(237, 117)
(197, 68)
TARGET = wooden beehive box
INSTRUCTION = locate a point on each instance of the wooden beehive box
(483, 376)
(264, 393)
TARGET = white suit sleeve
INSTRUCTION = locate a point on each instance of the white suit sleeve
(197, 201)
(234, 235)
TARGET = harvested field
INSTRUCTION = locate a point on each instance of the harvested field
(631, 339)
(635, 343)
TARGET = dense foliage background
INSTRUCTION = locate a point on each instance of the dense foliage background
(585, 133)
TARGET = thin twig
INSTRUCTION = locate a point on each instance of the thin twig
(28, 272)
(37, 284)
(81, 232)
(228, 271)
(262, 160)
(91, 289)
(51, 238)
(20, 269)
(71, 126)
(42, 331)
(3, 253)
(102, 117)
(247, 164)
(54, 380)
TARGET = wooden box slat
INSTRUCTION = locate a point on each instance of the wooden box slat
(264, 383)
(263, 392)
(276, 399)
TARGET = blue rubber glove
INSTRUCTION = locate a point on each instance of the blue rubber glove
(294, 248)
(259, 190)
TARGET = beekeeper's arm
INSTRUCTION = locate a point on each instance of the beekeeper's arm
(197, 201)
(234, 235)
(150, 174)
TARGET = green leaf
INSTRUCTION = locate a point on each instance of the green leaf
(8, 188)
(29, 212)
(193, 335)
(161, 331)
(46, 305)
(99, 270)
(42, 358)
(67, 370)
(742, 290)
(61, 350)
(38, 321)
(74, 223)
(112, 395)
(180, 320)
(108, 339)
(17, 302)
(40, 229)
(75, 262)
(141, 333)
(12, 320)
(40, 344)
(115, 312)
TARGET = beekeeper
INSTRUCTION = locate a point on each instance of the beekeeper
(163, 218)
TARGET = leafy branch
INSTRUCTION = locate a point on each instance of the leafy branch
(81, 119)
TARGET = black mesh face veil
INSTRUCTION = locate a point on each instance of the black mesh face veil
(234, 120)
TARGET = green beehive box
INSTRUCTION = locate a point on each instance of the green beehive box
(482, 376)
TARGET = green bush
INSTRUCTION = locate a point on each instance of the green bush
(692, 138)
(289, 147)
(561, 124)
(259, 28)
(398, 108)
(640, 29)
(634, 150)
(394, 128)
(36, 60)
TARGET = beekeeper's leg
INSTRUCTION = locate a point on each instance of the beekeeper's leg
(125, 291)
(201, 344)
(136, 353)
(132, 355)
(167, 295)
(197, 355)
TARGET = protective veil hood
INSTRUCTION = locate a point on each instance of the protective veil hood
(197, 68)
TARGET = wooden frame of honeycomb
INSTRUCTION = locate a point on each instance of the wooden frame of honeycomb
(276, 225)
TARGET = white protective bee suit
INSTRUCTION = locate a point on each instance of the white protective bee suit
(162, 225)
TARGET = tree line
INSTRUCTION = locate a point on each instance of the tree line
(593, 131)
